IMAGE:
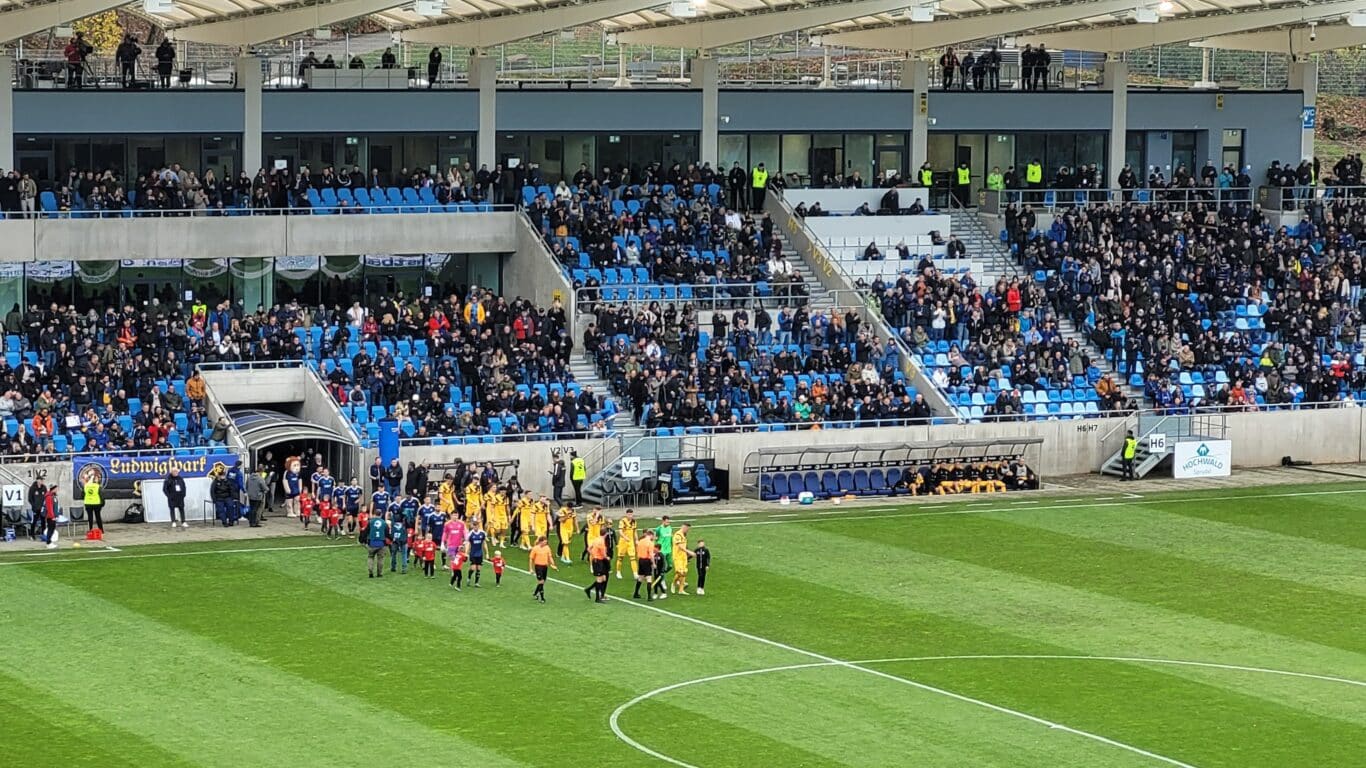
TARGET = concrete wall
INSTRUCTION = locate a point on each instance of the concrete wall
(599, 111)
(863, 228)
(256, 236)
(152, 112)
(533, 273)
(265, 386)
(846, 200)
(833, 110)
(1069, 447)
(1271, 119)
(435, 111)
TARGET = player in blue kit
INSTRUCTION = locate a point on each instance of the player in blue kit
(379, 502)
(352, 493)
(475, 542)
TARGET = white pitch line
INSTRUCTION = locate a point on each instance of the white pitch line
(1041, 507)
(614, 720)
(832, 661)
(794, 514)
(195, 553)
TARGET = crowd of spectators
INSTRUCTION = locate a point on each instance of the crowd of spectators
(996, 343)
(797, 366)
(471, 364)
(121, 379)
(173, 190)
(1205, 304)
(679, 231)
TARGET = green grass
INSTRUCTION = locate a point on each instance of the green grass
(281, 652)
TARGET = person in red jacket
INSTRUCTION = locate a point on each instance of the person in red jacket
(51, 511)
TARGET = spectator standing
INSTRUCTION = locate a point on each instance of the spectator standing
(557, 480)
(37, 492)
(174, 488)
(758, 187)
(224, 497)
(256, 497)
(50, 511)
(735, 184)
(433, 66)
(376, 475)
(578, 472)
(393, 478)
(127, 56)
(948, 64)
(387, 59)
(94, 504)
(165, 63)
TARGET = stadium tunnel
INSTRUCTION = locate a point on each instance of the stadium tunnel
(270, 436)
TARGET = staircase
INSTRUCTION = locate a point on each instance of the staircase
(606, 485)
(585, 374)
(1177, 429)
(995, 259)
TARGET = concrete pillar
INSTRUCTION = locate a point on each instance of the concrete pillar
(249, 80)
(915, 75)
(706, 76)
(484, 76)
(827, 77)
(1304, 76)
(622, 80)
(1117, 83)
(6, 112)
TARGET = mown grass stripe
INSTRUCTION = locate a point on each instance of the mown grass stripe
(1228, 545)
(851, 557)
(201, 700)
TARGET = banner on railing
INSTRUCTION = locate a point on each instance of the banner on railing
(119, 475)
(1202, 458)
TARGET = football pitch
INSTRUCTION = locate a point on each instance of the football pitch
(1206, 629)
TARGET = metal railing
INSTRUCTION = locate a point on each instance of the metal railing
(41, 456)
(321, 210)
(726, 295)
(1046, 199)
(50, 71)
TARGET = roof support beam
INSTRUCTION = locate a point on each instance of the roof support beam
(921, 37)
(704, 35)
(262, 27)
(486, 33)
(1129, 37)
(22, 23)
(1294, 41)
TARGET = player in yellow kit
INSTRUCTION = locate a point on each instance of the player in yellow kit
(626, 541)
(540, 519)
(681, 553)
(474, 500)
(569, 524)
(526, 511)
(445, 496)
(592, 528)
(496, 505)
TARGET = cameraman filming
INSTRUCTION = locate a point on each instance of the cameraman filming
(76, 52)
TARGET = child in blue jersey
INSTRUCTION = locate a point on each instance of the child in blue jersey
(323, 484)
(474, 542)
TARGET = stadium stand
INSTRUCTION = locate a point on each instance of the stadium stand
(796, 368)
(1204, 304)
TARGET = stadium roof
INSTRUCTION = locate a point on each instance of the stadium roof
(1100, 25)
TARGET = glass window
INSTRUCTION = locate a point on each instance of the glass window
(1091, 149)
(420, 152)
(645, 149)
(1232, 154)
(1030, 147)
(1183, 150)
(512, 145)
(392, 275)
(580, 149)
(342, 280)
(252, 282)
(797, 155)
(941, 148)
(679, 148)
(1062, 150)
(763, 148)
(1000, 151)
(858, 156)
(141, 281)
(547, 151)
(50, 281)
(208, 280)
(297, 277)
(12, 287)
(1135, 147)
(732, 148)
(97, 285)
(972, 147)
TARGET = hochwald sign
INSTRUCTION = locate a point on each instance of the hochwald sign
(1207, 458)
